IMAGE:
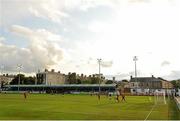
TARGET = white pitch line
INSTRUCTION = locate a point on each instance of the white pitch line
(149, 113)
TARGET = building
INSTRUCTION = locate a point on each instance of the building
(6, 79)
(50, 77)
(124, 87)
(62, 88)
(149, 84)
(178, 92)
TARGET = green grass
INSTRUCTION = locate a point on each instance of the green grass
(45, 106)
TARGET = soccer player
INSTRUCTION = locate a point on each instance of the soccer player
(25, 95)
(117, 95)
(117, 98)
(99, 96)
(123, 97)
(107, 94)
(110, 96)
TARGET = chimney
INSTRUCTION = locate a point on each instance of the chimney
(46, 70)
(131, 77)
(52, 70)
(152, 76)
(113, 78)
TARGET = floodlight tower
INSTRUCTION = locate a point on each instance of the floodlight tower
(19, 67)
(99, 62)
(135, 59)
(2, 69)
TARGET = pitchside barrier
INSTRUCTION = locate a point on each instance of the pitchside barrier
(177, 100)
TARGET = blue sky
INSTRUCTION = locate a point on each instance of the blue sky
(70, 35)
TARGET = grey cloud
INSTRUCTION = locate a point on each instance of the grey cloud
(77, 66)
(139, 1)
(2, 39)
(53, 10)
(165, 63)
(106, 63)
(92, 61)
(43, 50)
(11, 56)
(119, 76)
(173, 75)
(139, 73)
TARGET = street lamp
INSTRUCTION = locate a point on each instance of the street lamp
(19, 66)
(135, 59)
(99, 62)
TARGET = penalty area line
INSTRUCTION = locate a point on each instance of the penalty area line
(150, 112)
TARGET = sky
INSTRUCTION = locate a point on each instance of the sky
(70, 35)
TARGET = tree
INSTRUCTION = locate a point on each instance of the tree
(95, 80)
(86, 81)
(72, 78)
(23, 80)
(29, 80)
(15, 81)
(78, 81)
(124, 80)
(109, 82)
(2, 84)
(176, 83)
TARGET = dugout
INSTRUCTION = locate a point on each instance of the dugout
(63, 88)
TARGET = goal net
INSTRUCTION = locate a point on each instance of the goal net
(160, 96)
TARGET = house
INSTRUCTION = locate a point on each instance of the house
(147, 85)
(178, 92)
(50, 77)
(5, 79)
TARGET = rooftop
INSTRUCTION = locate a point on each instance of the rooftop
(144, 79)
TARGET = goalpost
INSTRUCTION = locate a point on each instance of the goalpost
(160, 96)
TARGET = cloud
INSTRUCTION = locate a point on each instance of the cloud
(56, 10)
(2, 39)
(93, 62)
(37, 35)
(12, 55)
(165, 63)
(43, 50)
(49, 10)
(106, 63)
(173, 75)
(53, 10)
(132, 22)
(119, 76)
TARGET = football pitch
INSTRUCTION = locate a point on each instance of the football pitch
(77, 107)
